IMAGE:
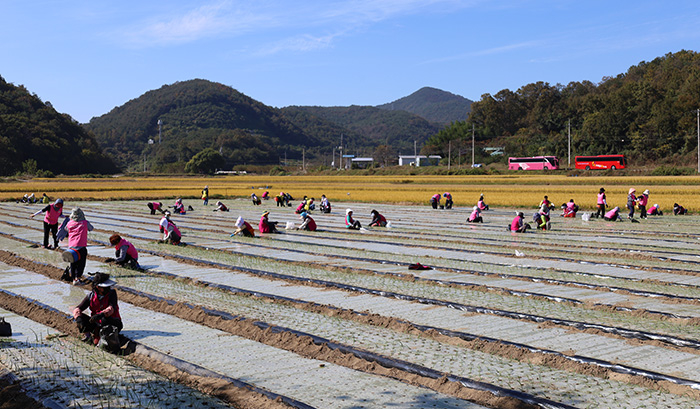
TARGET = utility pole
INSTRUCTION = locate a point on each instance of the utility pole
(340, 159)
(303, 160)
(449, 154)
(569, 127)
(160, 123)
(472, 145)
(698, 140)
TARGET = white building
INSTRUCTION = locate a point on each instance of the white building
(420, 160)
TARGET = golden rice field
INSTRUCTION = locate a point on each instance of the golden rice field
(512, 190)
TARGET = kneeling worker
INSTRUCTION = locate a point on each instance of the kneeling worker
(104, 312)
(126, 254)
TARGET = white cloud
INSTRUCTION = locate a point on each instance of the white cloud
(297, 21)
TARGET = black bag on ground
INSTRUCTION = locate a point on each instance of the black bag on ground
(66, 274)
(5, 328)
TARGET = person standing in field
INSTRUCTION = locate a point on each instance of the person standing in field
(631, 201)
(642, 204)
(52, 213)
(205, 195)
(601, 203)
(76, 227)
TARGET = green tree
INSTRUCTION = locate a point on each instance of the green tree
(206, 161)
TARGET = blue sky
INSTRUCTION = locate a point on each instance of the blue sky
(87, 57)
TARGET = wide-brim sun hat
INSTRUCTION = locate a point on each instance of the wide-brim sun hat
(303, 214)
(646, 192)
(633, 190)
(239, 221)
(475, 208)
(265, 213)
(348, 211)
(656, 206)
(107, 283)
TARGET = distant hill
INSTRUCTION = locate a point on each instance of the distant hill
(31, 129)
(434, 105)
(370, 126)
(196, 115)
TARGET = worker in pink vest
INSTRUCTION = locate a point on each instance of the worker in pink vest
(642, 204)
(435, 200)
(613, 215)
(125, 252)
(76, 228)
(52, 213)
(171, 234)
(601, 203)
(104, 312)
(518, 224)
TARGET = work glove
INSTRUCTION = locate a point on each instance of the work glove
(96, 318)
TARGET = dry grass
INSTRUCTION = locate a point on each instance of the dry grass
(511, 190)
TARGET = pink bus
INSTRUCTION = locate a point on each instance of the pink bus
(533, 163)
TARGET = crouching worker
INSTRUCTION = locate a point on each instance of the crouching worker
(155, 206)
(351, 223)
(243, 228)
(171, 234)
(307, 223)
(613, 215)
(475, 217)
(377, 219)
(265, 225)
(518, 224)
(570, 209)
(104, 321)
(655, 211)
(678, 209)
(220, 207)
(125, 252)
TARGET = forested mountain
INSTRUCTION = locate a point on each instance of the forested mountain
(434, 105)
(31, 130)
(647, 113)
(196, 115)
(370, 127)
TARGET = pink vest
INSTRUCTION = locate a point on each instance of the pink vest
(436, 197)
(264, 226)
(130, 249)
(77, 233)
(97, 305)
(570, 206)
(52, 215)
(611, 213)
(516, 224)
(481, 205)
(474, 215)
(601, 198)
(642, 200)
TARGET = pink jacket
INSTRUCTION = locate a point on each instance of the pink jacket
(52, 215)
(517, 222)
(601, 198)
(474, 215)
(130, 249)
(610, 214)
(77, 233)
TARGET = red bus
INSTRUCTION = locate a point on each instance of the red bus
(533, 163)
(601, 162)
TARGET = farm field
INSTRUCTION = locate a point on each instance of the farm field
(508, 190)
(591, 314)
